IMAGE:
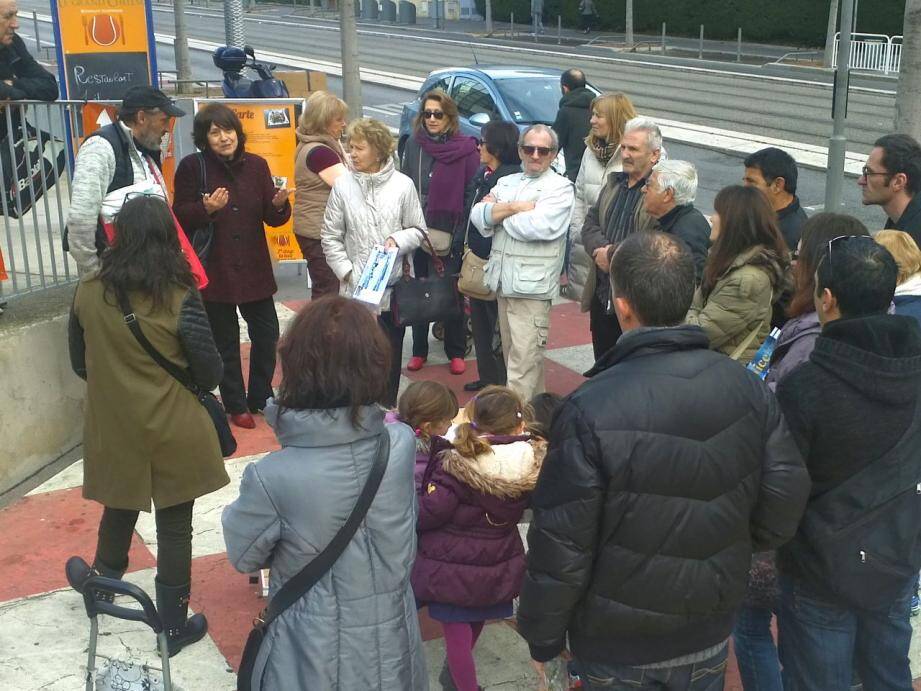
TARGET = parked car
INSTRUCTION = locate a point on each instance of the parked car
(522, 95)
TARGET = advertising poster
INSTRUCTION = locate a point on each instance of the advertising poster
(269, 126)
(104, 47)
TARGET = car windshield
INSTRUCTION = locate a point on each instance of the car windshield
(531, 99)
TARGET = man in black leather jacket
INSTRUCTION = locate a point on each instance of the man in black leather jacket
(664, 473)
(21, 77)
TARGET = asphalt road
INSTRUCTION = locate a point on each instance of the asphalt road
(723, 95)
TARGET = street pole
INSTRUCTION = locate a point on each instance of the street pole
(181, 48)
(351, 77)
(908, 95)
(837, 145)
(628, 39)
(233, 23)
(830, 34)
(489, 17)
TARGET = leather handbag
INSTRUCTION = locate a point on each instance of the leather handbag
(434, 298)
(202, 238)
(213, 406)
(295, 588)
(472, 278)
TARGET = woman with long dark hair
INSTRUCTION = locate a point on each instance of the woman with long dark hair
(499, 157)
(146, 437)
(745, 273)
(441, 163)
(357, 628)
(241, 197)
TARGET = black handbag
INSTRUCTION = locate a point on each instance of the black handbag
(206, 398)
(202, 238)
(434, 298)
(295, 588)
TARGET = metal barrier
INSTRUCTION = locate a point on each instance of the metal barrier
(36, 171)
(873, 52)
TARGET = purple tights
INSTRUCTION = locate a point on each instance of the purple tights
(460, 637)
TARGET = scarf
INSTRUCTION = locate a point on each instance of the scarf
(604, 151)
(457, 159)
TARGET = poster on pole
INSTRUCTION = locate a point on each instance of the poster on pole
(269, 126)
(104, 47)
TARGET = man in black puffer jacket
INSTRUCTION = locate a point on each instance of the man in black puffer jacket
(664, 473)
(572, 119)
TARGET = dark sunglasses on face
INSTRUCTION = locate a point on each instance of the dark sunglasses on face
(542, 150)
(429, 114)
(862, 238)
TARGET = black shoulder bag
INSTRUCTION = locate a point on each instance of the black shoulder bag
(206, 398)
(202, 238)
(295, 588)
(434, 298)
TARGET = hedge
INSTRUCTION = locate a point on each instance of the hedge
(793, 22)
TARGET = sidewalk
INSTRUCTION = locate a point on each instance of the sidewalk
(44, 630)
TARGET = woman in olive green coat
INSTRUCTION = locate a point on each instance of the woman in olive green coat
(746, 272)
(146, 437)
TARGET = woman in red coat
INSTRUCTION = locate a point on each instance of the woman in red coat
(239, 197)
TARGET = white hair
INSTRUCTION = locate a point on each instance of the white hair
(680, 177)
(650, 127)
(541, 128)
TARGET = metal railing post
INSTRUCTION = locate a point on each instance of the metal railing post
(512, 27)
(559, 30)
(700, 52)
(663, 38)
(739, 46)
(38, 38)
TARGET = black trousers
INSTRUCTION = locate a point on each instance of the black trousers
(455, 339)
(174, 541)
(262, 323)
(395, 336)
(484, 317)
(605, 328)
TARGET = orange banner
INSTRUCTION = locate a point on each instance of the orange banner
(269, 128)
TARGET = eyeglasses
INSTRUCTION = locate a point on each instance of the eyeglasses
(541, 150)
(151, 195)
(429, 114)
(868, 173)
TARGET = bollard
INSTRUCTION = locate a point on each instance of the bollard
(739, 46)
(38, 40)
(700, 52)
(534, 23)
(663, 38)
(559, 30)
(512, 27)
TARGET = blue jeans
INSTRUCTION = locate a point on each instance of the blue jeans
(702, 676)
(821, 641)
(755, 650)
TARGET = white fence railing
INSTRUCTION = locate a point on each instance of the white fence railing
(873, 52)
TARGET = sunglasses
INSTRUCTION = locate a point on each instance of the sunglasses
(842, 238)
(429, 114)
(150, 195)
(542, 150)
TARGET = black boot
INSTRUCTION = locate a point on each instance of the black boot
(78, 571)
(173, 605)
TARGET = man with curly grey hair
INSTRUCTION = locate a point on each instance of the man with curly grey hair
(668, 197)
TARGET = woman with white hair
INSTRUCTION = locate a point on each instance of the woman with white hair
(668, 197)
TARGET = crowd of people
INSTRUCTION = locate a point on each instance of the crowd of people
(677, 499)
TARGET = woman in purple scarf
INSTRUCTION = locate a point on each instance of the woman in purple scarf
(440, 161)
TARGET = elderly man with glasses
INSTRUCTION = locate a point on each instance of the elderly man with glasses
(527, 215)
(892, 179)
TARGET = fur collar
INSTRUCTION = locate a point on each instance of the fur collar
(507, 471)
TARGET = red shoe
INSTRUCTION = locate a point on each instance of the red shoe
(415, 363)
(244, 420)
(458, 366)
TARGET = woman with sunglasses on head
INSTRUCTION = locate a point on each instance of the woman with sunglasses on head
(499, 157)
(240, 197)
(441, 163)
(746, 271)
(146, 436)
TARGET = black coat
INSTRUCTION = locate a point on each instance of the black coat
(687, 223)
(790, 219)
(849, 404)
(910, 220)
(572, 126)
(479, 187)
(664, 472)
(30, 80)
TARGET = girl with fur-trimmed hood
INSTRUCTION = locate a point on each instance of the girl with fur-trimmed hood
(471, 560)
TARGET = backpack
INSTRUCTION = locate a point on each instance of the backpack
(124, 175)
(864, 536)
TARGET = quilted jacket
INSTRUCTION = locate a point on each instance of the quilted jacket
(364, 209)
(665, 470)
(357, 628)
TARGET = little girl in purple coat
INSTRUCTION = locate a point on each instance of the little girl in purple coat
(429, 408)
(471, 560)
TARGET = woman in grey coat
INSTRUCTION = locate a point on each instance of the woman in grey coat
(357, 628)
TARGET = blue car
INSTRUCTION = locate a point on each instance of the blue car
(522, 95)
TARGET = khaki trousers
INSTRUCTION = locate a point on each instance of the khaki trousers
(524, 325)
